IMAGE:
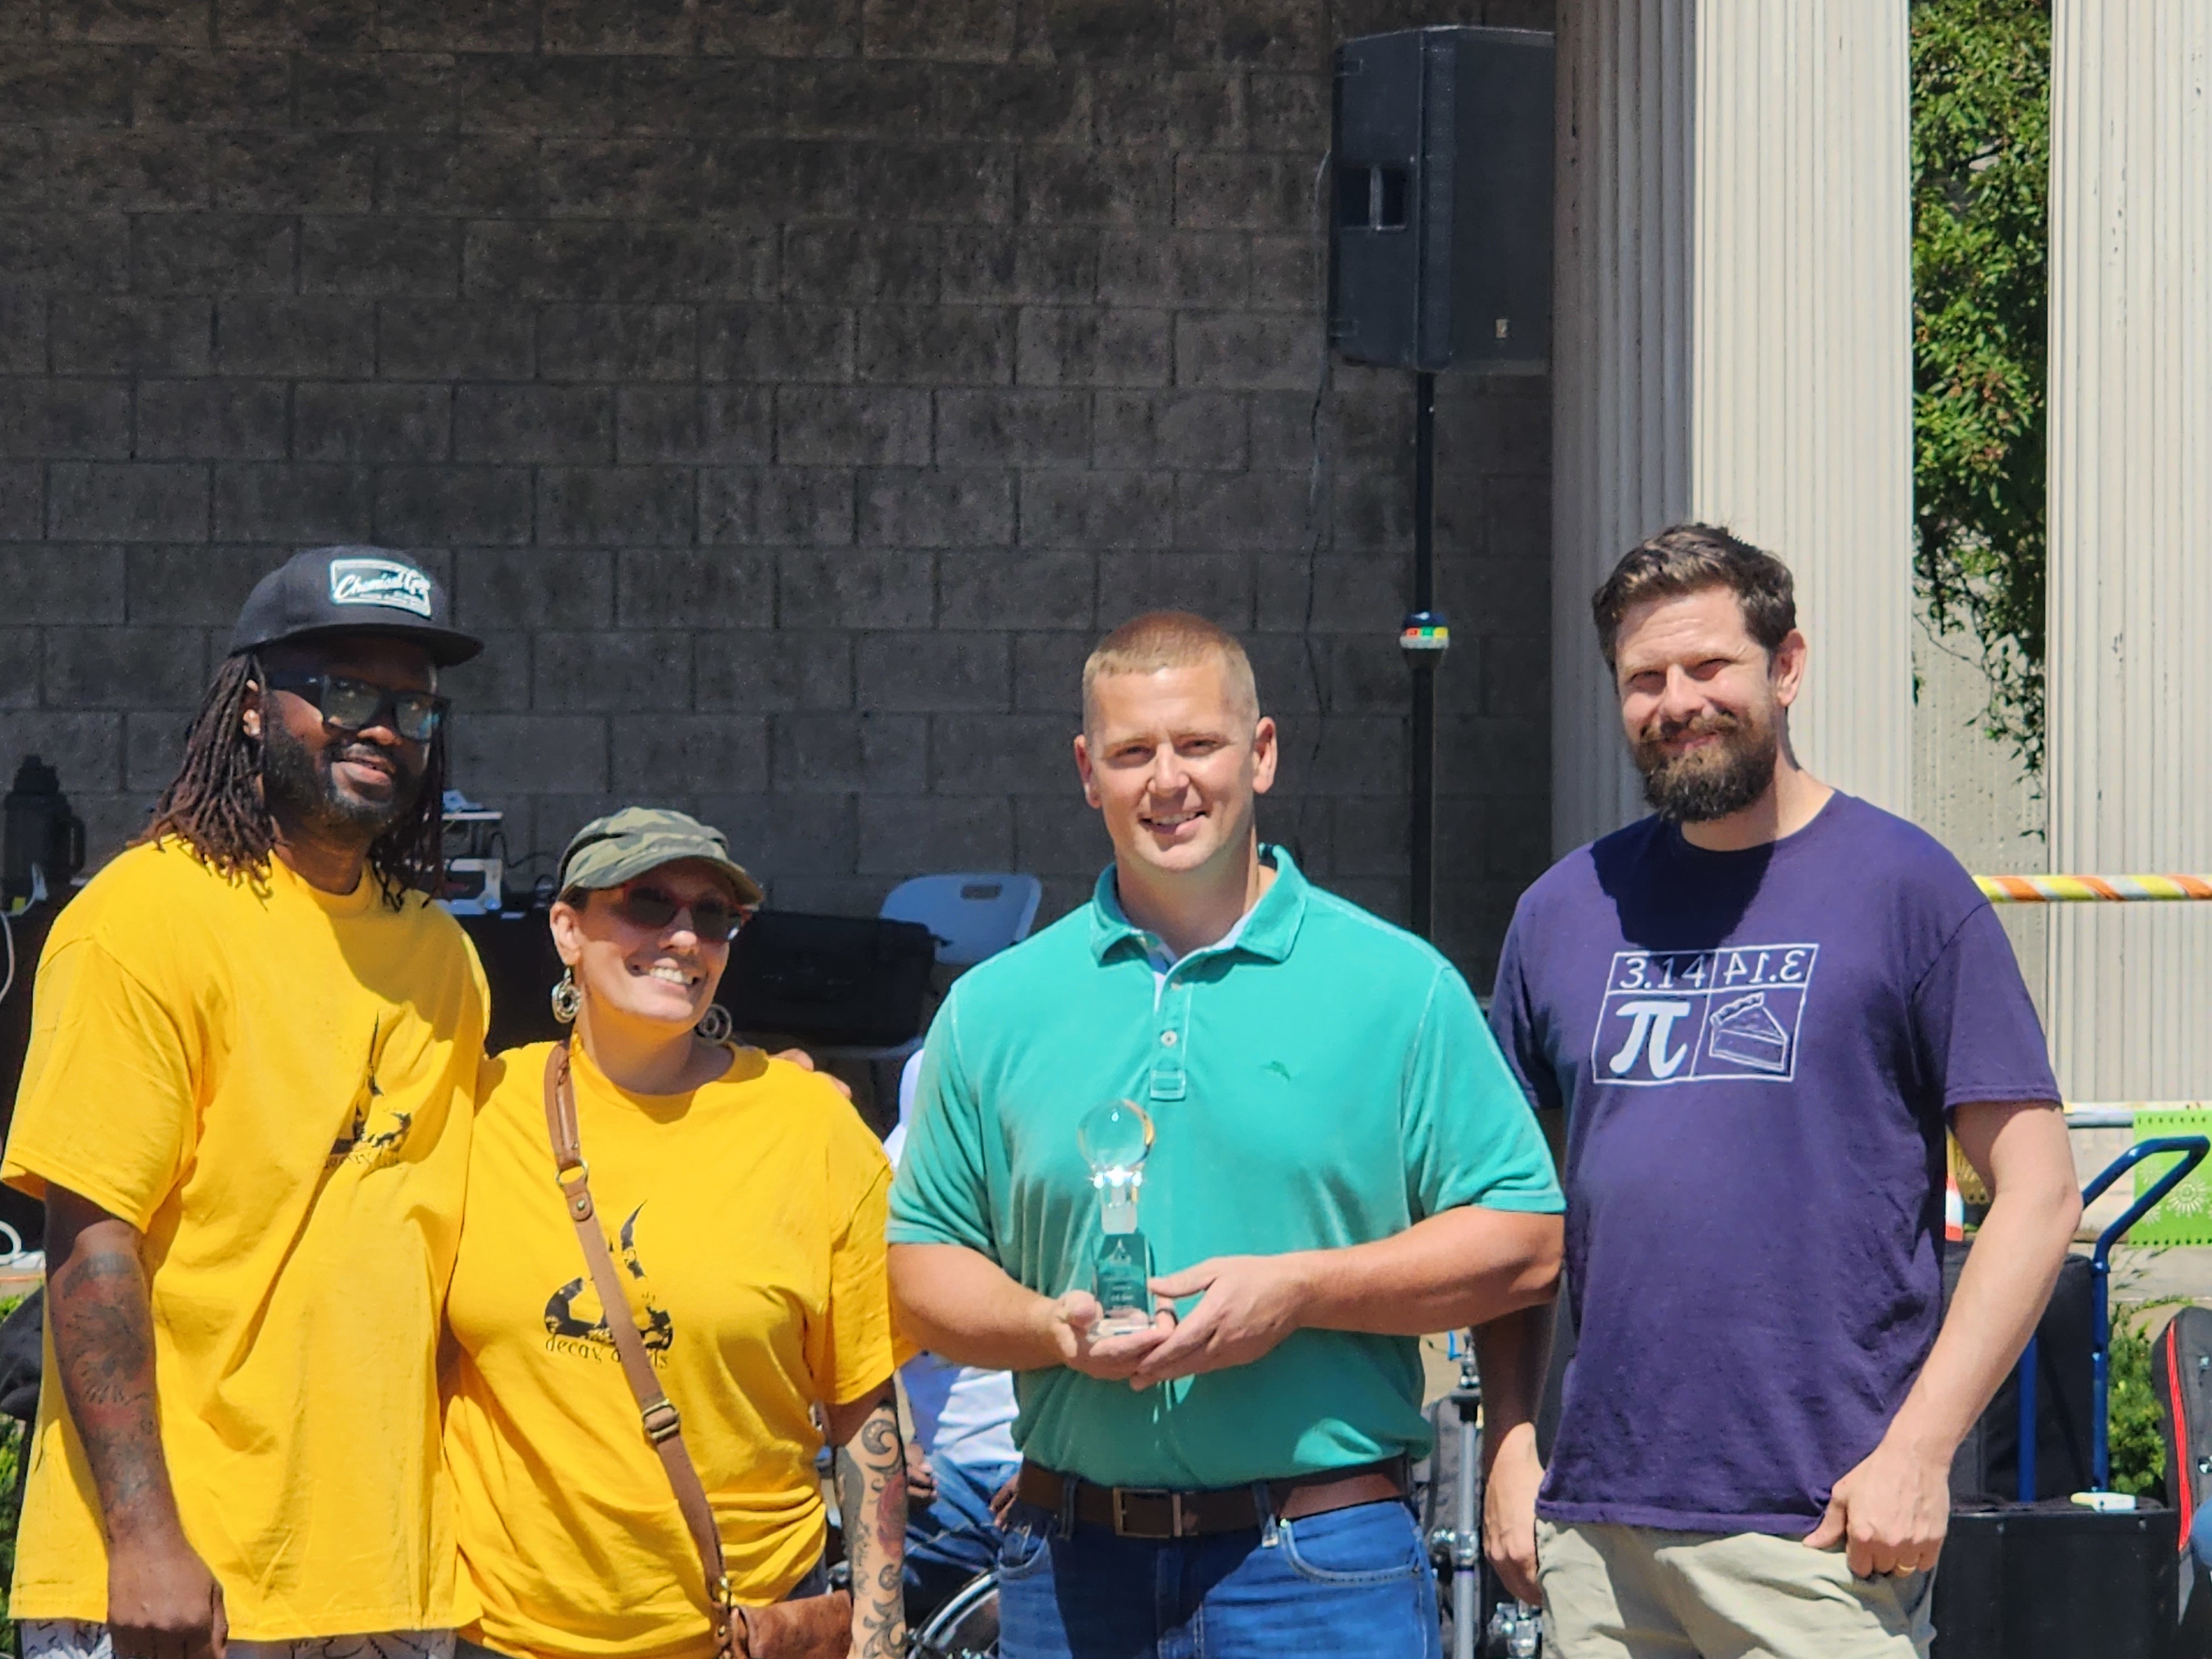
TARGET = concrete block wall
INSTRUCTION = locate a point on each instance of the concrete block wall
(790, 390)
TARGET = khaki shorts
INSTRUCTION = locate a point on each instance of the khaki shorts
(1637, 1592)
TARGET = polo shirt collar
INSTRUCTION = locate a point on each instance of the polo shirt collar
(1269, 930)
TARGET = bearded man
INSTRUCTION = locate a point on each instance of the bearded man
(1759, 1010)
(246, 1107)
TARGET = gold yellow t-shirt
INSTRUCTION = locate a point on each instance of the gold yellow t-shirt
(749, 1217)
(274, 1086)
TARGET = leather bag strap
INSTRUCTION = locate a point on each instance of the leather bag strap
(663, 1427)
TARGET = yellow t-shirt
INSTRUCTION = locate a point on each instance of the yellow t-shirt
(273, 1085)
(749, 1215)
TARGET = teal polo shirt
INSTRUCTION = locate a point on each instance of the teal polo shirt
(1321, 1078)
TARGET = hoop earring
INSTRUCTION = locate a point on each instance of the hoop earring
(713, 1025)
(568, 998)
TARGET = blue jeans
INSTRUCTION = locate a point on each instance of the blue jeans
(1353, 1583)
(954, 1537)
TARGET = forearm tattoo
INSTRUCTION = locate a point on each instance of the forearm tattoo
(872, 1497)
(104, 1350)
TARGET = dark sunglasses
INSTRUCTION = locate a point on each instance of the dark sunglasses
(355, 706)
(712, 916)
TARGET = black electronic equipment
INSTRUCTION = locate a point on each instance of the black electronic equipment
(2054, 1581)
(849, 981)
(1441, 216)
(830, 981)
(41, 841)
(520, 967)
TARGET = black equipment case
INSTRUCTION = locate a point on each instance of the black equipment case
(2181, 1374)
(849, 980)
(1987, 1467)
(2054, 1581)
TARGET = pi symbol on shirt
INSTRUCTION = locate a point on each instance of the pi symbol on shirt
(1651, 1042)
(1678, 1016)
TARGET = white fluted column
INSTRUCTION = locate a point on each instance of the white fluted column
(1732, 343)
(2130, 577)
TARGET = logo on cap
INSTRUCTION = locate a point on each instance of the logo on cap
(379, 581)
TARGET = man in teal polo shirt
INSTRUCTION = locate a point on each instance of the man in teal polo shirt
(1341, 1161)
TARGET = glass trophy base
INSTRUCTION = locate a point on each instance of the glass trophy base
(1125, 1297)
(1123, 1322)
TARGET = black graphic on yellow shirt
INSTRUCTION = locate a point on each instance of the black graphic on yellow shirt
(566, 1322)
(376, 1134)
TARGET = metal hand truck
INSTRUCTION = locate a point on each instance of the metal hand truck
(2192, 1150)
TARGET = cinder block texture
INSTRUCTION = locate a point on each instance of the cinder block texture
(792, 391)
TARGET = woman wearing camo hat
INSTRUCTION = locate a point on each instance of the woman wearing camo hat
(713, 1256)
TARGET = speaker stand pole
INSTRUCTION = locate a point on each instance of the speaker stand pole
(1424, 638)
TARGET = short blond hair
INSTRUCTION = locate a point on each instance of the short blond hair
(1171, 639)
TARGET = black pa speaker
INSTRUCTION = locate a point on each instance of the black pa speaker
(1441, 245)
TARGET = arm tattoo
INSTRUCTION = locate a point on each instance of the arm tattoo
(871, 1499)
(104, 1350)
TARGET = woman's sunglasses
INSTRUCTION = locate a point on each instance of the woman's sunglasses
(712, 916)
(355, 706)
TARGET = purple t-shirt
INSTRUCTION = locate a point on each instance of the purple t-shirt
(1756, 1051)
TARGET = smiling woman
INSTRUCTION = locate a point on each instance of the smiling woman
(745, 1201)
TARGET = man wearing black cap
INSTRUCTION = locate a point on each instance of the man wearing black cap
(247, 1106)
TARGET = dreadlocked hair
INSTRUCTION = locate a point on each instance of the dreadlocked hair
(216, 807)
(214, 804)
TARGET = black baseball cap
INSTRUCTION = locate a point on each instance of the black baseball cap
(325, 591)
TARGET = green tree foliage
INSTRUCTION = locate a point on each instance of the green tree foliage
(1981, 173)
(2138, 1449)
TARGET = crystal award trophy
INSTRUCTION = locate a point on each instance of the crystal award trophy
(1115, 1139)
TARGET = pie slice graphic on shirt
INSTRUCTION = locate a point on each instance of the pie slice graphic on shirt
(1745, 1032)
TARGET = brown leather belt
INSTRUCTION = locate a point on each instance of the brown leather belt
(1156, 1513)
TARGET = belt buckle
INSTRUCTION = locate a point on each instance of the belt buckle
(1176, 1526)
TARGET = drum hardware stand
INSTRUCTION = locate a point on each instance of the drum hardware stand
(1514, 1631)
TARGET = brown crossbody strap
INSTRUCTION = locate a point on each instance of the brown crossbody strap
(662, 1426)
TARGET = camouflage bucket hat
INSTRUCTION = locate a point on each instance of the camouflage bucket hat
(622, 846)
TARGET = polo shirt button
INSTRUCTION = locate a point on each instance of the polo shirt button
(1167, 1039)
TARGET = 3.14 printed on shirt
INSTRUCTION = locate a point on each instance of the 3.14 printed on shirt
(1688, 1016)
